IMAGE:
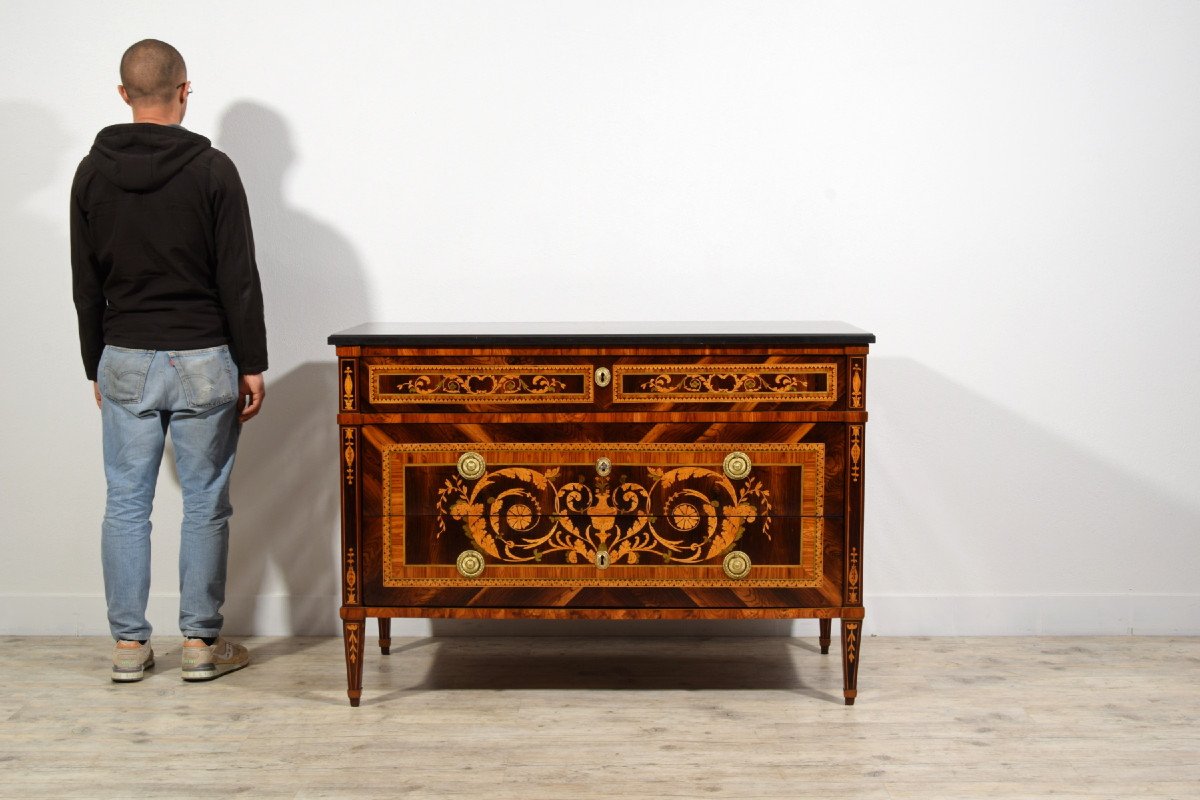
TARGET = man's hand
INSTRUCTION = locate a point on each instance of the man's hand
(96, 391)
(251, 391)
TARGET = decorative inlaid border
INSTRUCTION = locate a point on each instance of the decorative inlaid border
(721, 383)
(351, 579)
(492, 383)
(349, 453)
(349, 398)
(352, 645)
(811, 527)
(856, 452)
(858, 381)
(853, 576)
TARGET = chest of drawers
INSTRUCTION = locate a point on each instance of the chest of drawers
(636, 471)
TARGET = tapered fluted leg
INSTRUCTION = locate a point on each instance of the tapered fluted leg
(385, 635)
(826, 634)
(851, 642)
(352, 630)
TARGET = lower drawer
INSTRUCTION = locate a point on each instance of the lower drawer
(602, 524)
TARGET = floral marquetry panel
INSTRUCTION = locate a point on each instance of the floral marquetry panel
(539, 508)
(493, 383)
(717, 382)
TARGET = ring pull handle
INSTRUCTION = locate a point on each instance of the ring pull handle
(471, 466)
(737, 465)
(470, 563)
(736, 565)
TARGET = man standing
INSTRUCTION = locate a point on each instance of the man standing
(172, 334)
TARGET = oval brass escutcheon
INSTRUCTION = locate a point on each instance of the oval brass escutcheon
(470, 563)
(471, 466)
(736, 565)
(736, 465)
(602, 559)
(603, 377)
(603, 467)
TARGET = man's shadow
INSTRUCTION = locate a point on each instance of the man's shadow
(283, 574)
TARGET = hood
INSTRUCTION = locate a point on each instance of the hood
(142, 156)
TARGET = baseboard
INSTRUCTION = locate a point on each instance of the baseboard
(1034, 615)
(887, 615)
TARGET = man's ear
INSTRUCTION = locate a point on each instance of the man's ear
(124, 95)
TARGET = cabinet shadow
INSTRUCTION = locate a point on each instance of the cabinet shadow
(626, 664)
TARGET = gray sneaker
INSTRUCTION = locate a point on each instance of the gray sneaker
(203, 662)
(131, 660)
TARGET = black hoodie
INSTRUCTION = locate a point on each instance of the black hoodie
(161, 249)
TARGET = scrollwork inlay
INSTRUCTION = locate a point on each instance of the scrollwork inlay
(726, 382)
(686, 515)
(501, 383)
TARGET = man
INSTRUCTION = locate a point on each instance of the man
(172, 334)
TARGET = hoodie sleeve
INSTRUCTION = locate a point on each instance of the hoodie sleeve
(237, 279)
(87, 278)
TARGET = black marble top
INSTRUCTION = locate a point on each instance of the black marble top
(599, 334)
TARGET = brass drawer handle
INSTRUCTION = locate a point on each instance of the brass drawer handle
(470, 563)
(736, 465)
(603, 377)
(736, 565)
(603, 467)
(471, 466)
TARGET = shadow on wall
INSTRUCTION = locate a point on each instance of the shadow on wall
(283, 573)
(35, 143)
(965, 497)
(39, 156)
(980, 521)
(35, 247)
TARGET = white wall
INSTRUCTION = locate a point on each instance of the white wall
(1007, 193)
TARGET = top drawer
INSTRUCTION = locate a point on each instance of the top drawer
(594, 383)
(736, 380)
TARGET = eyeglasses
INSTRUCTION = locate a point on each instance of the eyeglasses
(185, 83)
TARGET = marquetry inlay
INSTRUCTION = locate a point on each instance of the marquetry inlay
(352, 642)
(853, 576)
(856, 452)
(851, 644)
(351, 578)
(858, 381)
(348, 385)
(722, 383)
(532, 383)
(536, 507)
(349, 441)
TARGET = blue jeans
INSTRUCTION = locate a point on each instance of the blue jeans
(192, 394)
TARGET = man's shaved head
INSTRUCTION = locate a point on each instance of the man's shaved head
(151, 71)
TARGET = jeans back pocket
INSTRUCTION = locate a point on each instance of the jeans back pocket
(207, 376)
(122, 373)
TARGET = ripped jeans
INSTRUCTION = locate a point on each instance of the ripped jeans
(192, 394)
